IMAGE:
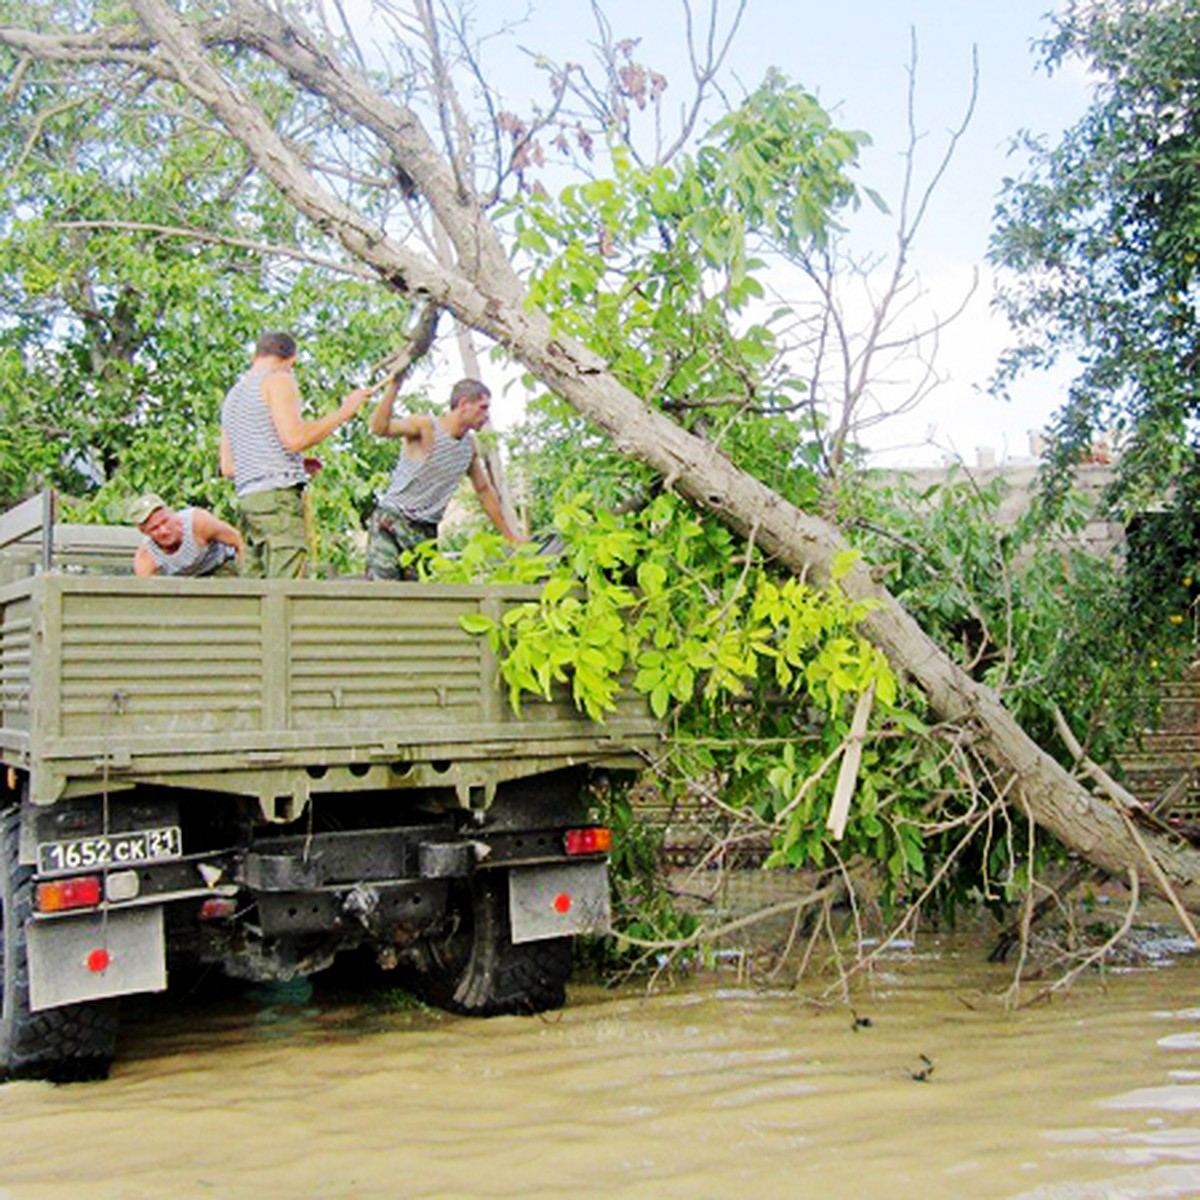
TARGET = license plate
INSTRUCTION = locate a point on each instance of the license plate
(110, 850)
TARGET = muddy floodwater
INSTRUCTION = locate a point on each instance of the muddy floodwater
(713, 1089)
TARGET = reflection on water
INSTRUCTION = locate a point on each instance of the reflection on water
(709, 1091)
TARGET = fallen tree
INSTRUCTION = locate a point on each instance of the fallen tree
(199, 59)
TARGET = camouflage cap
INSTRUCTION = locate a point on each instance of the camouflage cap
(144, 507)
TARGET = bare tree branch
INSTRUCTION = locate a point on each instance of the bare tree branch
(266, 249)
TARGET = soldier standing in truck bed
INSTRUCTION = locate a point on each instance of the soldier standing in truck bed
(263, 439)
(436, 454)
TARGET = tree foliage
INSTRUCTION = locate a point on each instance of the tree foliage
(757, 676)
(1101, 242)
(1022, 605)
(659, 270)
(140, 256)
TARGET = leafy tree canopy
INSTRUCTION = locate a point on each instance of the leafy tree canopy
(120, 336)
(1101, 238)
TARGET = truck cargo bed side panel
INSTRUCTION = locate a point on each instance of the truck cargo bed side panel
(205, 683)
(137, 664)
(16, 670)
(370, 662)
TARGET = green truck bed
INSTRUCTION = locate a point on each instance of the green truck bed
(273, 689)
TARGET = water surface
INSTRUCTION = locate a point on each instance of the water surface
(715, 1089)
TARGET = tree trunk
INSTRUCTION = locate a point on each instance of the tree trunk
(483, 291)
(1051, 796)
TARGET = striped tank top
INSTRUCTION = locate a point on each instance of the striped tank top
(260, 463)
(420, 490)
(190, 558)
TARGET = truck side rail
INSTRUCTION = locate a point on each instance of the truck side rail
(33, 540)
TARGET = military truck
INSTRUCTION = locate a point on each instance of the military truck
(264, 774)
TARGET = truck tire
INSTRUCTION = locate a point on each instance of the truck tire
(71, 1043)
(475, 968)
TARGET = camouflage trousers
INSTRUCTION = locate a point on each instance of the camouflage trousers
(276, 535)
(389, 537)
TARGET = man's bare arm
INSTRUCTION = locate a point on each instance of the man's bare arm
(210, 528)
(143, 563)
(282, 398)
(491, 502)
(385, 425)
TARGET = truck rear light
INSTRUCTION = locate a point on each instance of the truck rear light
(122, 885)
(595, 839)
(218, 908)
(59, 895)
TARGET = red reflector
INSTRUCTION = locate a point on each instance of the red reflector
(99, 961)
(61, 894)
(595, 840)
(218, 908)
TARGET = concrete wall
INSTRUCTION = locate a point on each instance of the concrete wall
(1020, 479)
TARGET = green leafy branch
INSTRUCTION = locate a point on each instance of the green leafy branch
(649, 600)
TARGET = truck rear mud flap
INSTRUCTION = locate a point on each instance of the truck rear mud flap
(558, 900)
(73, 959)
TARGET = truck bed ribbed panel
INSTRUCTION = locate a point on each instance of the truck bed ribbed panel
(263, 687)
(16, 664)
(374, 662)
(137, 662)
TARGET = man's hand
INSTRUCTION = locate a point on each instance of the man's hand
(353, 401)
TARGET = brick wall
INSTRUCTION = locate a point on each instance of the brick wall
(1171, 751)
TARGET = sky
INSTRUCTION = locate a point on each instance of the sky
(854, 56)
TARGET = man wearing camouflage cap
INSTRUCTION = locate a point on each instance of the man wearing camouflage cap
(189, 542)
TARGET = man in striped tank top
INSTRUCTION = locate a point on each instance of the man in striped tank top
(191, 541)
(263, 439)
(436, 454)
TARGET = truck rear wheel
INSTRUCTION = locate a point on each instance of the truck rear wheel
(71, 1043)
(474, 967)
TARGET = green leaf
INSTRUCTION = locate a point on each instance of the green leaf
(843, 563)
(477, 623)
(652, 577)
(909, 721)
